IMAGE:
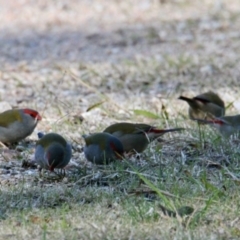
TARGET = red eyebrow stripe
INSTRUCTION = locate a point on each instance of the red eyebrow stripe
(112, 145)
(32, 112)
(117, 153)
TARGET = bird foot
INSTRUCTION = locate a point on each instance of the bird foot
(56, 177)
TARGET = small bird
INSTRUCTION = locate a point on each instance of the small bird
(205, 105)
(52, 151)
(136, 136)
(102, 148)
(17, 124)
(227, 125)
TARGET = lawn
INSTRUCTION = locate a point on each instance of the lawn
(87, 64)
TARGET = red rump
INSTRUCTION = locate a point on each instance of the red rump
(155, 130)
(218, 121)
(32, 113)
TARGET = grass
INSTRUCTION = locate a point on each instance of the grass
(122, 199)
(126, 70)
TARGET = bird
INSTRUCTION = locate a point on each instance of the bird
(136, 136)
(102, 148)
(205, 106)
(52, 151)
(17, 124)
(227, 125)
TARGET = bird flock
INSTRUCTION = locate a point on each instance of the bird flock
(52, 151)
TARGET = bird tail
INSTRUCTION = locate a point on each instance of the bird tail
(203, 100)
(156, 130)
(211, 121)
(189, 100)
(193, 100)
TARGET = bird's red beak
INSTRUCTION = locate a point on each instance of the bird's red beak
(38, 117)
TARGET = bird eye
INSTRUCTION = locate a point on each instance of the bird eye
(33, 115)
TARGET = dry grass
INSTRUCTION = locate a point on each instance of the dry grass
(62, 57)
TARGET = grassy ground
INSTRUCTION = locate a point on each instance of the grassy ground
(63, 57)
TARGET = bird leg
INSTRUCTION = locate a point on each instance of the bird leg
(44, 176)
(61, 173)
(39, 171)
